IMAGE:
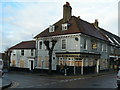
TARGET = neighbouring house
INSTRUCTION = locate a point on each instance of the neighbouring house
(81, 45)
(22, 55)
(114, 48)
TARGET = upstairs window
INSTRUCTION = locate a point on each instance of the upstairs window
(94, 45)
(40, 45)
(64, 44)
(22, 52)
(32, 52)
(112, 49)
(64, 27)
(51, 28)
(85, 44)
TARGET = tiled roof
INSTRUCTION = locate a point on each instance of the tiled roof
(24, 45)
(113, 39)
(77, 25)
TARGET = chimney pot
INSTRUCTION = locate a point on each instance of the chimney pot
(79, 17)
(67, 3)
(96, 23)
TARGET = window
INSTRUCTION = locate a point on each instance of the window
(32, 52)
(51, 28)
(106, 48)
(85, 44)
(40, 45)
(102, 47)
(64, 44)
(64, 27)
(94, 45)
(22, 52)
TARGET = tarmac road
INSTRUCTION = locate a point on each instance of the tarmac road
(28, 80)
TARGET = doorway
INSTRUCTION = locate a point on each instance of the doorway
(31, 64)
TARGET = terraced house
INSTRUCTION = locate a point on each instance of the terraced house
(81, 46)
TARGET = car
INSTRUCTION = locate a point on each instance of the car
(118, 78)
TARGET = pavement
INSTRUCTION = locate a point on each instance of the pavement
(79, 75)
(6, 82)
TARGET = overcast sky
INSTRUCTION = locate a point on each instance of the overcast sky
(21, 20)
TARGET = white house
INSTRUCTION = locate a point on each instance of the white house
(23, 55)
(80, 45)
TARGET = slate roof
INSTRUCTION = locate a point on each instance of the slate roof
(113, 39)
(24, 45)
(77, 25)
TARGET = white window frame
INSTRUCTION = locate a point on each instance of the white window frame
(64, 27)
(32, 52)
(65, 44)
(51, 28)
(40, 47)
(22, 52)
(85, 44)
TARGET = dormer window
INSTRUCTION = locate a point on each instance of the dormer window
(64, 27)
(51, 28)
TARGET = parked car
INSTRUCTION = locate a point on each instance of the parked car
(118, 78)
(1, 67)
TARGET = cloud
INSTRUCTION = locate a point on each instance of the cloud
(22, 19)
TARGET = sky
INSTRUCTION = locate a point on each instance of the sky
(21, 20)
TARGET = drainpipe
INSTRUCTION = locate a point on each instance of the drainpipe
(98, 66)
(74, 67)
(82, 66)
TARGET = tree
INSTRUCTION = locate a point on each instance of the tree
(50, 51)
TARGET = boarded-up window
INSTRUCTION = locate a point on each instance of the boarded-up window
(22, 63)
(39, 62)
(47, 61)
(94, 45)
(13, 63)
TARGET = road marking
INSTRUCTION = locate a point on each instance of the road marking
(14, 84)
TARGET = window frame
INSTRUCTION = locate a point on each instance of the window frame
(64, 27)
(63, 45)
(85, 44)
(22, 52)
(94, 45)
(32, 52)
(40, 45)
(51, 28)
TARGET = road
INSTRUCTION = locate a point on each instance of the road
(28, 80)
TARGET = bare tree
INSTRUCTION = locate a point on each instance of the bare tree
(50, 51)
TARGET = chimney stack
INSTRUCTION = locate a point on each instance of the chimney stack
(67, 12)
(96, 23)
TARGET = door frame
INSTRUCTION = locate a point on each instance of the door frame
(29, 64)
